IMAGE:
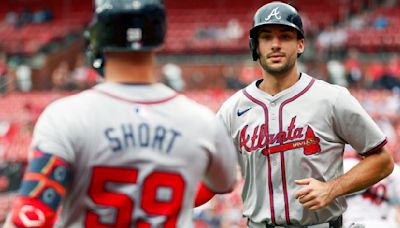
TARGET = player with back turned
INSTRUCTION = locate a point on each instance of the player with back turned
(129, 152)
(290, 131)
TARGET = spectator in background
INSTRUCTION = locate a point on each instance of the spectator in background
(394, 65)
(231, 78)
(173, 77)
(3, 74)
(25, 17)
(43, 15)
(11, 18)
(233, 30)
(201, 32)
(24, 78)
(358, 22)
(309, 26)
(338, 40)
(380, 22)
(83, 76)
(331, 40)
(324, 39)
(212, 32)
(30, 114)
(353, 69)
(389, 81)
(5, 127)
(337, 73)
(249, 72)
(373, 74)
(60, 76)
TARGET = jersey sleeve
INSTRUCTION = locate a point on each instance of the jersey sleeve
(55, 132)
(353, 124)
(221, 173)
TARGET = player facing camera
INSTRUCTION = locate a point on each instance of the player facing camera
(290, 131)
(274, 13)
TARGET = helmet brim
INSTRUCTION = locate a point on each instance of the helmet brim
(254, 31)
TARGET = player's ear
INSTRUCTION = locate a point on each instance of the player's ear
(254, 48)
(300, 46)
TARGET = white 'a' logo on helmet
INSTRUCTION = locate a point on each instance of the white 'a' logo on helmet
(274, 13)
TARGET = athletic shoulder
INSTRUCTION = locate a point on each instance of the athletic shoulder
(196, 110)
(327, 92)
(69, 105)
(232, 101)
(330, 89)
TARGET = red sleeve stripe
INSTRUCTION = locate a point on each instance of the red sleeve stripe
(43, 183)
(375, 149)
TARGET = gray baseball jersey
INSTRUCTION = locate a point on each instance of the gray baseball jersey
(295, 134)
(137, 154)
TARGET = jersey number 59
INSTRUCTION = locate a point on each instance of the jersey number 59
(124, 205)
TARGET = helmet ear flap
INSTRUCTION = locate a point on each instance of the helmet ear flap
(97, 62)
(253, 47)
(94, 56)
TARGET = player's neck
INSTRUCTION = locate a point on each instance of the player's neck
(273, 84)
(133, 67)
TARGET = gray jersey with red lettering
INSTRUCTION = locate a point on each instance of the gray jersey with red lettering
(298, 133)
(137, 153)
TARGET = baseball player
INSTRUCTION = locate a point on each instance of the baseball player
(374, 206)
(130, 152)
(290, 131)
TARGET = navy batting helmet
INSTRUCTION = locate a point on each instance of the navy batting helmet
(274, 13)
(125, 25)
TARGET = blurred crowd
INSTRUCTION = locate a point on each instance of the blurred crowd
(371, 30)
(65, 76)
(79, 77)
(27, 16)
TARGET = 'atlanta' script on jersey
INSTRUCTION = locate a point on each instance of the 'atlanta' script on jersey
(293, 138)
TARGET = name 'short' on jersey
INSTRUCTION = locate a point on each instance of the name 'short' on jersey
(141, 135)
